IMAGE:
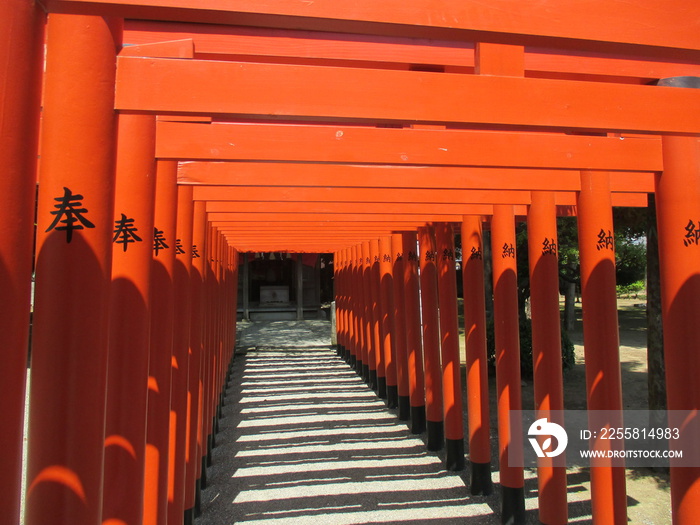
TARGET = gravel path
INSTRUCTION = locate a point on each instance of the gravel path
(304, 440)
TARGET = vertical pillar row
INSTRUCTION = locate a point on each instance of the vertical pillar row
(478, 412)
(350, 315)
(161, 345)
(431, 338)
(208, 361)
(234, 296)
(350, 351)
(130, 310)
(212, 342)
(21, 61)
(358, 308)
(193, 482)
(507, 339)
(73, 270)
(180, 362)
(337, 315)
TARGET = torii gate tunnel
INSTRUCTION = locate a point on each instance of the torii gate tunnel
(360, 128)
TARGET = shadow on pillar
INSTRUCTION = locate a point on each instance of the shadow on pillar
(682, 354)
(66, 420)
(127, 394)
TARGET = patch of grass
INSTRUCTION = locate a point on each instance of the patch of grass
(636, 290)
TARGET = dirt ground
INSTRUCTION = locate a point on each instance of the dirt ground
(648, 493)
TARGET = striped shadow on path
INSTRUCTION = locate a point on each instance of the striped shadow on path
(304, 440)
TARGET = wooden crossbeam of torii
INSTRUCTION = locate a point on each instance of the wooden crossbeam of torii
(221, 42)
(334, 93)
(388, 177)
(666, 28)
(407, 146)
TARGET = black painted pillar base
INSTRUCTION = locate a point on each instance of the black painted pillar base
(454, 459)
(381, 387)
(215, 425)
(392, 396)
(373, 379)
(210, 446)
(358, 366)
(188, 518)
(481, 484)
(198, 498)
(418, 419)
(436, 435)
(365, 372)
(339, 350)
(404, 407)
(203, 479)
(512, 506)
(352, 359)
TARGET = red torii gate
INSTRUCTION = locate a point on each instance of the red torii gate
(584, 75)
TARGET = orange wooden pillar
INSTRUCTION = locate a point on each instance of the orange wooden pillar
(129, 329)
(208, 354)
(21, 60)
(377, 335)
(349, 315)
(193, 477)
(601, 338)
(475, 343)
(218, 329)
(353, 303)
(431, 338)
(343, 309)
(399, 299)
(506, 60)
(180, 361)
(338, 263)
(546, 347)
(678, 218)
(414, 345)
(73, 268)
(358, 309)
(507, 337)
(386, 305)
(161, 352)
(212, 343)
(349, 347)
(449, 346)
(233, 297)
(369, 352)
